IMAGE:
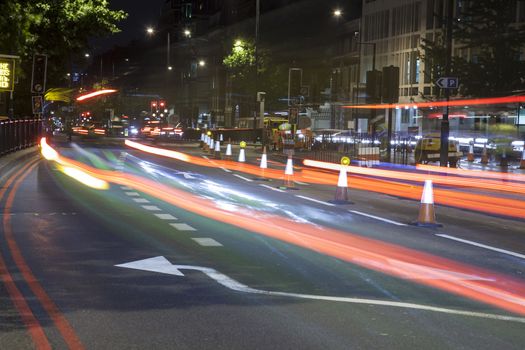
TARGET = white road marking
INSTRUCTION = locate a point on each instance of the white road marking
(377, 218)
(207, 242)
(162, 265)
(183, 227)
(242, 177)
(165, 216)
(205, 157)
(226, 170)
(151, 207)
(499, 250)
(141, 200)
(132, 194)
(315, 200)
(301, 183)
(271, 188)
(126, 188)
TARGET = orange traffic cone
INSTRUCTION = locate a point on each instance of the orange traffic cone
(218, 150)
(484, 156)
(288, 183)
(229, 151)
(201, 144)
(341, 193)
(470, 155)
(427, 216)
(263, 166)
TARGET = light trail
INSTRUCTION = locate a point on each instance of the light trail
(95, 93)
(482, 285)
(475, 202)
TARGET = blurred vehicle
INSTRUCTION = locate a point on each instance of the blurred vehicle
(428, 150)
(90, 130)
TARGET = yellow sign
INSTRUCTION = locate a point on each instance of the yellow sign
(242, 144)
(209, 133)
(7, 74)
(345, 161)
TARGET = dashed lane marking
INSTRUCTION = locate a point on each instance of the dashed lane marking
(243, 178)
(151, 207)
(207, 242)
(271, 188)
(226, 170)
(480, 245)
(132, 194)
(205, 157)
(377, 218)
(315, 200)
(301, 183)
(126, 188)
(183, 227)
(165, 216)
(141, 200)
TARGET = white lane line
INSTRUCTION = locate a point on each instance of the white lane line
(183, 227)
(140, 200)
(226, 170)
(315, 200)
(378, 218)
(132, 194)
(207, 242)
(151, 207)
(126, 188)
(205, 157)
(271, 188)
(499, 250)
(301, 183)
(242, 177)
(166, 216)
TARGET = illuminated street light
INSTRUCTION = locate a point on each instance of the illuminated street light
(202, 63)
(187, 32)
(170, 67)
(338, 13)
(86, 54)
(150, 30)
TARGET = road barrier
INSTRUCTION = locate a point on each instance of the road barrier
(18, 134)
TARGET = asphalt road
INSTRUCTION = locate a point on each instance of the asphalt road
(220, 284)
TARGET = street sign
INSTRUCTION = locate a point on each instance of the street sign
(448, 82)
(7, 74)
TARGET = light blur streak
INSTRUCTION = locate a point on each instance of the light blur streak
(473, 173)
(418, 177)
(476, 202)
(84, 178)
(48, 152)
(493, 288)
(158, 151)
(468, 102)
(95, 93)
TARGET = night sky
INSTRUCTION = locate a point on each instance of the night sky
(141, 13)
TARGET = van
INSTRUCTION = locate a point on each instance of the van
(428, 150)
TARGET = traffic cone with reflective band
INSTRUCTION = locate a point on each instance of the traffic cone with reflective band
(484, 156)
(206, 142)
(201, 144)
(470, 155)
(211, 145)
(242, 157)
(221, 138)
(288, 183)
(522, 162)
(341, 193)
(263, 166)
(228, 151)
(217, 150)
(427, 216)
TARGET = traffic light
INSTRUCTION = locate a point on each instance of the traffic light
(373, 86)
(38, 78)
(390, 84)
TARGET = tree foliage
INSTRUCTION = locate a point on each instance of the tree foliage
(59, 28)
(488, 29)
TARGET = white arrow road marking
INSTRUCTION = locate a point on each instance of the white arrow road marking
(162, 265)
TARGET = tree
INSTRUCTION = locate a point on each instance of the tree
(240, 63)
(488, 29)
(58, 28)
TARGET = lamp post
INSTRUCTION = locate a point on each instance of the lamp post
(151, 31)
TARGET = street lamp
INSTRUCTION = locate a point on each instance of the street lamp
(338, 13)
(202, 63)
(86, 55)
(150, 30)
(187, 33)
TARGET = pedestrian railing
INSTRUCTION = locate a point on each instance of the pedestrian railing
(18, 134)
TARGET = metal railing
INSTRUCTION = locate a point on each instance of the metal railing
(18, 134)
